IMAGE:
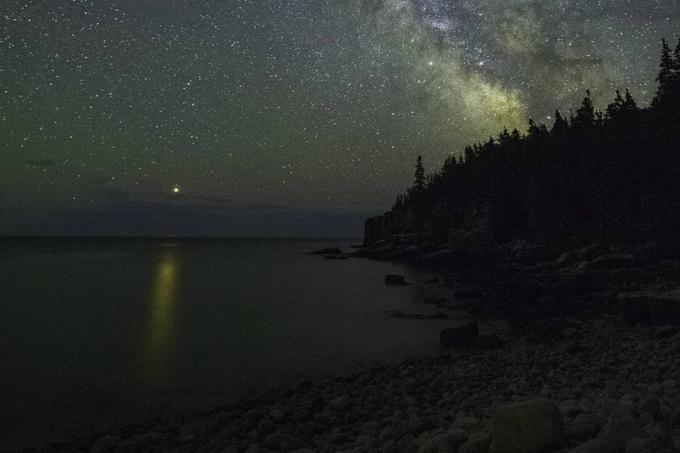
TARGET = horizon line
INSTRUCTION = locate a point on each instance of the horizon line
(171, 237)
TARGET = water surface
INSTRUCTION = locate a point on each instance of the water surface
(101, 332)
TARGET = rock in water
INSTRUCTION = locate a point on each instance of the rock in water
(328, 251)
(460, 337)
(532, 426)
(421, 316)
(392, 279)
(336, 257)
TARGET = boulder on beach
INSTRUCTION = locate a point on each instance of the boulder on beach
(393, 279)
(462, 337)
(418, 316)
(531, 426)
(336, 257)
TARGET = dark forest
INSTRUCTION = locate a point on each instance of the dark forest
(592, 173)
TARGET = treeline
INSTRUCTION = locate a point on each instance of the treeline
(591, 172)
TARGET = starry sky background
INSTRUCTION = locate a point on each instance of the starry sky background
(282, 118)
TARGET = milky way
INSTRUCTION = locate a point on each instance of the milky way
(201, 112)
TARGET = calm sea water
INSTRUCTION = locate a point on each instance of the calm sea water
(124, 331)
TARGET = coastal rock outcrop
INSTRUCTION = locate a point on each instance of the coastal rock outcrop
(396, 280)
(379, 228)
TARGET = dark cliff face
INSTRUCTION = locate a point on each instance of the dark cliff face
(395, 227)
(408, 226)
(373, 231)
(380, 228)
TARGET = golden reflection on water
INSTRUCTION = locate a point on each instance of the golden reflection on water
(162, 305)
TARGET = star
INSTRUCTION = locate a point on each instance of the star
(114, 100)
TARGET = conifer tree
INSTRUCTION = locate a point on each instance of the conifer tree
(589, 173)
(585, 114)
(561, 126)
(622, 107)
(469, 154)
(674, 88)
(599, 118)
(665, 77)
(399, 203)
(536, 132)
(419, 183)
(533, 129)
(504, 137)
(449, 164)
(617, 107)
(630, 105)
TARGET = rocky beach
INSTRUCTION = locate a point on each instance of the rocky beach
(600, 376)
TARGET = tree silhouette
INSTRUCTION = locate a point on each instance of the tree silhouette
(674, 85)
(585, 114)
(560, 126)
(665, 77)
(615, 109)
(595, 174)
(629, 104)
(419, 183)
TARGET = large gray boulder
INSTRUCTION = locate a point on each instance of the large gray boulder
(395, 280)
(529, 427)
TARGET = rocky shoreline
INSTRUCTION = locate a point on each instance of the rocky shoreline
(592, 386)
(585, 381)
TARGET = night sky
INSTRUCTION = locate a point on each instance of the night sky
(282, 118)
